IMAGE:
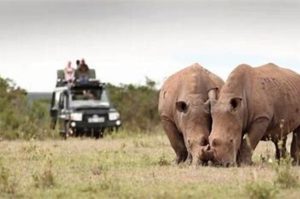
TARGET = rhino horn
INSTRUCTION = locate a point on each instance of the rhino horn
(207, 153)
(212, 94)
(212, 98)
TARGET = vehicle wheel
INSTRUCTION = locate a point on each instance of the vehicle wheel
(99, 134)
(63, 135)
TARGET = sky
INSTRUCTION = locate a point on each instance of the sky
(127, 41)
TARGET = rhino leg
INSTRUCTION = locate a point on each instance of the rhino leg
(249, 143)
(280, 147)
(245, 154)
(176, 140)
(189, 158)
(295, 147)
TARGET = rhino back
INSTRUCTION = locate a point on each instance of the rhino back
(281, 89)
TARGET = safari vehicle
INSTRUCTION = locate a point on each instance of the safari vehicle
(82, 109)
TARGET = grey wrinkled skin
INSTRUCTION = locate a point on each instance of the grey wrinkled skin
(184, 109)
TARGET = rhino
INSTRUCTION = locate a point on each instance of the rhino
(256, 103)
(184, 110)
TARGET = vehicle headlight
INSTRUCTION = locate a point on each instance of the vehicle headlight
(113, 115)
(118, 122)
(76, 116)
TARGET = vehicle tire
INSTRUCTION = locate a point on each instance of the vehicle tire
(92, 74)
(76, 132)
(99, 134)
(60, 74)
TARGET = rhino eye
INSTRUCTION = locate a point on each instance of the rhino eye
(235, 103)
(181, 106)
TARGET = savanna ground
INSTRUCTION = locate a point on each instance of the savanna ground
(133, 166)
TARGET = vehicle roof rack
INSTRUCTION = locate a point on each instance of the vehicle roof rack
(92, 81)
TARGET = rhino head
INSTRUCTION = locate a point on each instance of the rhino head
(226, 135)
(195, 123)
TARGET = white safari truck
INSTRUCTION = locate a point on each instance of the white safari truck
(82, 108)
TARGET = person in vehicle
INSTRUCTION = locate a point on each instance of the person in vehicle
(69, 73)
(77, 64)
(83, 65)
(89, 95)
(83, 72)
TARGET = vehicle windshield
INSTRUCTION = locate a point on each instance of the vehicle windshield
(89, 97)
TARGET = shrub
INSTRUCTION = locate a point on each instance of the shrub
(163, 161)
(7, 184)
(24, 119)
(137, 105)
(20, 118)
(285, 177)
(260, 190)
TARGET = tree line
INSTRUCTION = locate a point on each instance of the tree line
(21, 118)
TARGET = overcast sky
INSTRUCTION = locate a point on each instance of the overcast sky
(128, 40)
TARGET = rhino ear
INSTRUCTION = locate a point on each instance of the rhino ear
(235, 103)
(181, 106)
(207, 107)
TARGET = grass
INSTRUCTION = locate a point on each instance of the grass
(261, 190)
(128, 165)
(286, 178)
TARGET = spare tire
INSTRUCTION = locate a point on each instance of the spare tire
(60, 74)
(92, 74)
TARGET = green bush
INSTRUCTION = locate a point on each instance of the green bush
(285, 177)
(20, 118)
(163, 161)
(24, 119)
(260, 190)
(137, 105)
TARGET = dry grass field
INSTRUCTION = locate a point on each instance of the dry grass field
(136, 166)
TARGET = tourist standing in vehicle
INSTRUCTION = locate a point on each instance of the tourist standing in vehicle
(83, 65)
(69, 72)
(77, 64)
(83, 72)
